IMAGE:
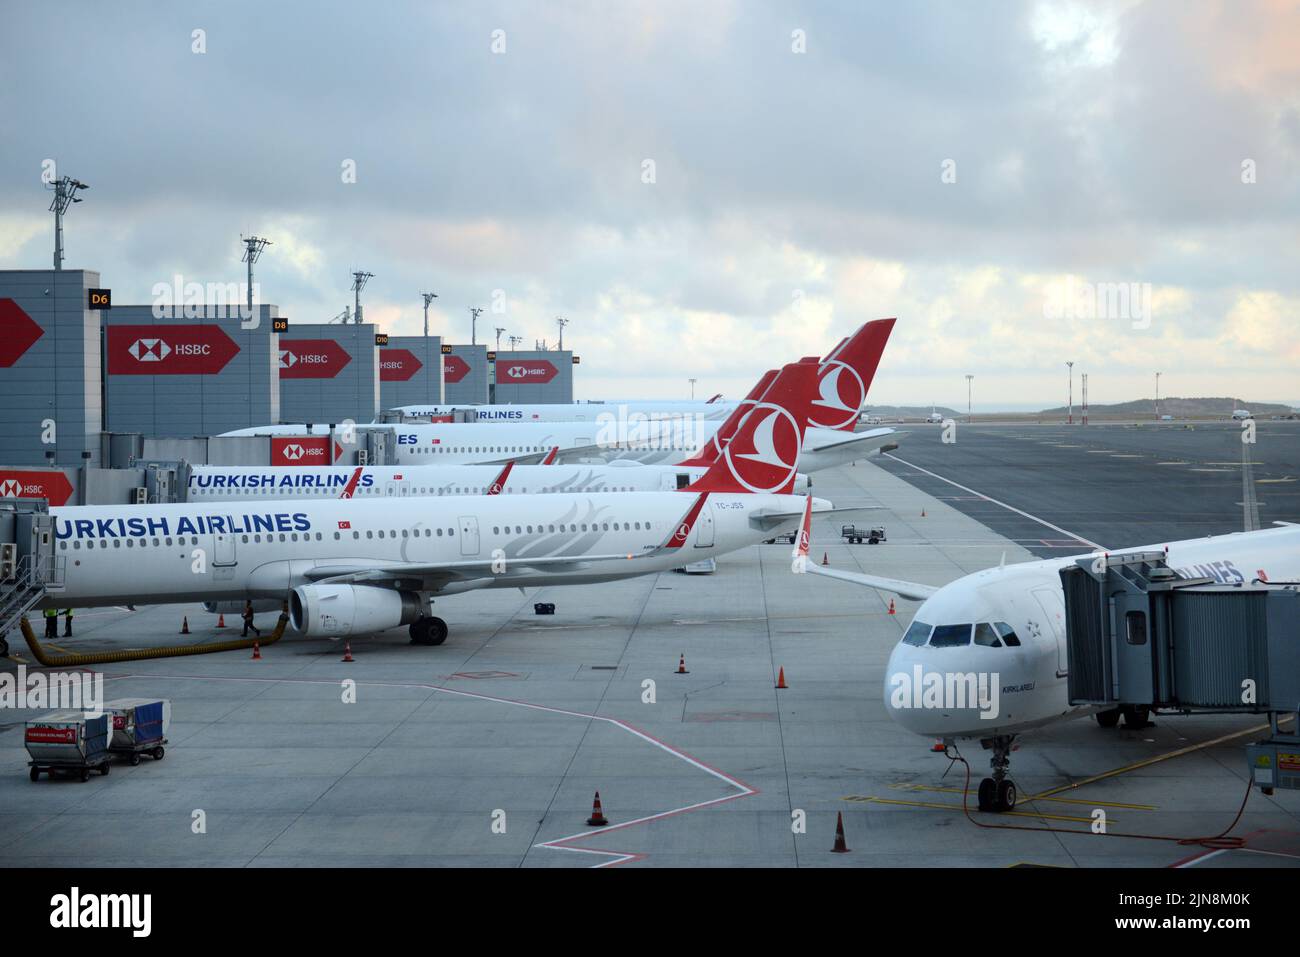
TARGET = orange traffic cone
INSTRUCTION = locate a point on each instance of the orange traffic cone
(257, 652)
(840, 847)
(891, 606)
(780, 679)
(939, 747)
(923, 513)
(185, 625)
(221, 621)
(347, 651)
(681, 666)
(597, 818)
(825, 559)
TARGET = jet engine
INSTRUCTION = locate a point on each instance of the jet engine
(340, 611)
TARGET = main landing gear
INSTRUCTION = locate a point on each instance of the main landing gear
(998, 793)
(428, 630)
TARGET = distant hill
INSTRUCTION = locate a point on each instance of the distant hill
(912, 411)
(1180, 407)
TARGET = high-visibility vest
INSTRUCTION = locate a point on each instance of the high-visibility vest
(67, 612)
(51, 613)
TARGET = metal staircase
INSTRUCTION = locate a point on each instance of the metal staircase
(29, 566)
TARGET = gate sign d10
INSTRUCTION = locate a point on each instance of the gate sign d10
(525, 371)
(303, 450)
(398, 365)
(99, 299)
(168, 350)
(312, 358)
(22, 483)
(454, 368)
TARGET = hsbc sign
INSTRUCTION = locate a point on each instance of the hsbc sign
(21, 483)
(18, 332)
(526, 370)
(454, 368)
(303, 450)
(168, 350)
(312, 358)
(398, 365)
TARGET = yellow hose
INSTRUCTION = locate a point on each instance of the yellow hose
(139, 654)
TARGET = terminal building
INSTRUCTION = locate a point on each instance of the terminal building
(411, 371)
(328, 373)
(466, 375)
(532, 377)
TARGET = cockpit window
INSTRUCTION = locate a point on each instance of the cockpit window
(917, 633)
(950, 636)
(985, 635)
(1008, 634)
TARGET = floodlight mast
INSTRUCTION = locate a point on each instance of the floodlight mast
(359, 280)
(65, 194)
(561, 322)
(253, 246)
(514, 342)
(474, 313)
(428, 298)
(500, 329)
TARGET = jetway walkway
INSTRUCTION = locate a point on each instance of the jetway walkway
(1138, 635)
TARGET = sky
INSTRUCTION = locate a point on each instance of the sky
(703, 189)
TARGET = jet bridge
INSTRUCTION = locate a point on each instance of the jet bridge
(1139, 635)
(29, 565)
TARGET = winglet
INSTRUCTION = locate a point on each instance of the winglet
(714, 399)
(350, 489)
(805, 533)
(499, 482)
(551, 456)
(683, 530)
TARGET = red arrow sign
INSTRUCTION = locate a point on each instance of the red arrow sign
(303, 450)
(398, 365)
(19, 483)
(18, 331)
(312, 358)
(454, 368)
(518, 371)
(169, 350)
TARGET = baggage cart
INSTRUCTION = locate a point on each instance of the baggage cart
(70, 742)
(139, 726)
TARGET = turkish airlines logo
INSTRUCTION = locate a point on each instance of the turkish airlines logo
(774, 438)
(149, 350)
(840, 395)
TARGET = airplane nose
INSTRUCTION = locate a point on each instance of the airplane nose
(900, 679)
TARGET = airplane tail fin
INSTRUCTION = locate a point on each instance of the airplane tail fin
(713, 448)
(846, 374)
(763, 455)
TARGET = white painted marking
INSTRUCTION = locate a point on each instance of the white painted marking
(1009, 508)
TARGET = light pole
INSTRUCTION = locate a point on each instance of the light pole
(428, 298)
(500, 329)
(65, 194)
(253, 246)
(474, 312)
(1070, 419)
(561, 322)
(969, 377)
(514, 342)
(359, 280)
(1157, 396)
(692, 382)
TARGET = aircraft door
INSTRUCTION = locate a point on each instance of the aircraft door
(704, 528)
(468, 535)
(1052, 603)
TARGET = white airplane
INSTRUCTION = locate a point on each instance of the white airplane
(1240, 415)
(233, 483)
(1007, 624)
(844, 377)
(571, 411)
(355, 567)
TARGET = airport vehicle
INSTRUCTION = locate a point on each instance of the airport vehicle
(356, 567)
(1008, 624)
(844, 377)
(872, 536)
(1239, 415)
(934, 418)
(72, 742)
(231, 483)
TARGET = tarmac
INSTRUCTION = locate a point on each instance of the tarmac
(487, 750)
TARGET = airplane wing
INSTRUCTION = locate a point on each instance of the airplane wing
(866, 441)
(915, 591)
(767, 521)
(434, 575)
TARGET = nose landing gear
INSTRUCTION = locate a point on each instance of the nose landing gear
(998, 793)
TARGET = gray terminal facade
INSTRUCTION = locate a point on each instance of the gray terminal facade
(329, 373)
(465, 374)
(170, 374)
(49, 367)
(528, 377)
(410, 371)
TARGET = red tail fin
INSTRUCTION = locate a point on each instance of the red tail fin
(713, 448)
(763, 456)
(846, 376)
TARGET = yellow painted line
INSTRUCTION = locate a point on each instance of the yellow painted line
(1288, 479)
(952, 790)
(1171, 463)
(1209, 470)
(1190, 749)
(958, 808)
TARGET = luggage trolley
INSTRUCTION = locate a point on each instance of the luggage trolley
(68, 741)
(139, 727)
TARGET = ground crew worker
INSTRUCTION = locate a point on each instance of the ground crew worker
(51, 622)
(248, 621)
(67, 623)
